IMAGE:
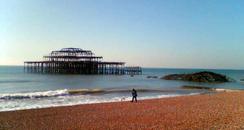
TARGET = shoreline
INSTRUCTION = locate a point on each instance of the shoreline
(223, 110)
(126, 99)
(123, 99)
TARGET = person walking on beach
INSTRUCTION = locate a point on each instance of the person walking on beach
(134, 95)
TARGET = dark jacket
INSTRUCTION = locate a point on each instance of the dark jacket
(134, 93)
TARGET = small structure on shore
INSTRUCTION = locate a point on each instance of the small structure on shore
(78, 61)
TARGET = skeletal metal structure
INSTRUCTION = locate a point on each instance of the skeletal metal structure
(78, 61)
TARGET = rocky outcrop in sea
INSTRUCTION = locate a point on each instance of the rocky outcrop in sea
(204, 76)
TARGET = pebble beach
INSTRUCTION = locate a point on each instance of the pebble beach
(224, 110)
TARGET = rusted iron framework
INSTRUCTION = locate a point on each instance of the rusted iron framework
(77, 61)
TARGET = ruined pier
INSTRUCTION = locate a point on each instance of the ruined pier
(77, 61)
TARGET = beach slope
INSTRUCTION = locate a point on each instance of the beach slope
(216, 111)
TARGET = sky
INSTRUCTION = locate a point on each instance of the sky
(148, 33)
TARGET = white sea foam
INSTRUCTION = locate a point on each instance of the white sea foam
(225, 90)
(31, 95)
(66, 92)
(68, 100)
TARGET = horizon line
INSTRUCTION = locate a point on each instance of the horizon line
(157, 67)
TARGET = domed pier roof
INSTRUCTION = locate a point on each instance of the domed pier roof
(72, 51)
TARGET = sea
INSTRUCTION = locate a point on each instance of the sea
(20, 90)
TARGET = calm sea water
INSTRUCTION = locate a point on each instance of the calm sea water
(20, 90)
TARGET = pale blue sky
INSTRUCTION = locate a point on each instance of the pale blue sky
(149, 33)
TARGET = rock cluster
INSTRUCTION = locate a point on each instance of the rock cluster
(204, 76)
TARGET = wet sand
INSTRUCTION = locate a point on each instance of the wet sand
(224, 110)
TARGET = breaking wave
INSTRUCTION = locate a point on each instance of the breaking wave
(31, 95)
(67, 92)
(65, 97)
